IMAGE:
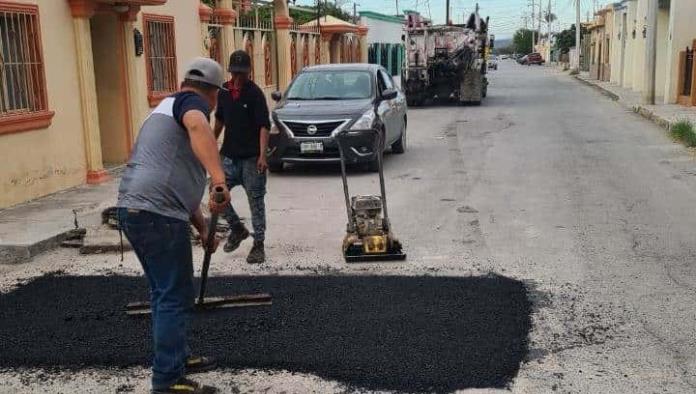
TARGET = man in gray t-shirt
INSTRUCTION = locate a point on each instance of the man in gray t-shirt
(160, 194)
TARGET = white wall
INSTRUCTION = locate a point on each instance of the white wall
(382, 31)
(630, 45)
(639, 47)
(662, 53)
(616, 45)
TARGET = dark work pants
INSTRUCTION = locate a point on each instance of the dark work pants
(163, 246)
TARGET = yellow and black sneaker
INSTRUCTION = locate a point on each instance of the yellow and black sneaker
(186, 386)
(199, 364)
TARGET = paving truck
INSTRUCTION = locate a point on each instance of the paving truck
(445, 62)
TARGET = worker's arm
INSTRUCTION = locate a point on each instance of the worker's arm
(262, 164)
(219, 116)
(205, 148)
(201, 225)
(264, 124)
(217, 130)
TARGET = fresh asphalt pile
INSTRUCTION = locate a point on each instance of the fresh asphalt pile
(373, 332)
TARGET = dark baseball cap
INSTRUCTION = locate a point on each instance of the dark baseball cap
(240, 62)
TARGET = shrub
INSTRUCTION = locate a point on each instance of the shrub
(683, 131)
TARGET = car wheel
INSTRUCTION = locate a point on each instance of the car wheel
(373, 165)
(399, 146)
(276, 166)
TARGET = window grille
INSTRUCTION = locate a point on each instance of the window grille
(22, 82)
(160, 54)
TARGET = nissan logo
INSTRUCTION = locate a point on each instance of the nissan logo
(312, 129)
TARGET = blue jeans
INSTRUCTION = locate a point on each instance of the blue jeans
(243, 172)
(163, 246)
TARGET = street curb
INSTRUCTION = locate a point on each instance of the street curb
(650, 115)
(18, 254)
(605, 92)
(638, 109)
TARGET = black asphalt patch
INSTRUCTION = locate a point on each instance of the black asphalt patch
(384, 333)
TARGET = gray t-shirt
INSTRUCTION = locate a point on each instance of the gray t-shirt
(163, 175)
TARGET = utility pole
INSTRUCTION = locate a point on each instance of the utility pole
(398, 12)
(541, 6)
(447, 13)
(650, 53)
(533, 30)
(548, 16)
(548, 34)
(355, 13)
(578, 47)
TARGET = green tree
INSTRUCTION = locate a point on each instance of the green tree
(522, 41)
(301, 16)
(566, 39)
(550, 17)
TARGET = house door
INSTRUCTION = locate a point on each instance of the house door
(112, 88)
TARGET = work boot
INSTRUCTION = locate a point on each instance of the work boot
(257, 254)
(238, 234)
(200, 364)
(186, 386)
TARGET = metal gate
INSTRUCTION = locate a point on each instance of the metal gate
(688, 72)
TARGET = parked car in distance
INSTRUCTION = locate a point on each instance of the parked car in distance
(493, 63)
(522, 59)
(324, 100)
(534, 58)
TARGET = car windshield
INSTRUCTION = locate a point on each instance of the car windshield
(331, 85)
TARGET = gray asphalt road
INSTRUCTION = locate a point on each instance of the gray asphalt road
(549, 183)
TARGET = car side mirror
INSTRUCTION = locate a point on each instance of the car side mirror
(389, 94)
(276, 96)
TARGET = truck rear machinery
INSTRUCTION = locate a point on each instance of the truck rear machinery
(446, 62)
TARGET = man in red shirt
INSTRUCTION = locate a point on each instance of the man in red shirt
(243, 114)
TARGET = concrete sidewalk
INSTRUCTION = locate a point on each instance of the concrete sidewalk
(664, 115)
(37, 226)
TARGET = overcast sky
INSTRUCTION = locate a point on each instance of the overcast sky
(506, 15)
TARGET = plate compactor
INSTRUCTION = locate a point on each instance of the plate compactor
(204, 303)
(368, 236)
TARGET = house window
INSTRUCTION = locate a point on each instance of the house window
(23, 102)
(160, 55)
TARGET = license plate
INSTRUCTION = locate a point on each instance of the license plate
(311, 147)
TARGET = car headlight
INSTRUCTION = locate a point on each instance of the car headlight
(366, 121)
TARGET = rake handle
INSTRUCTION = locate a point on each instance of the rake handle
(219, 197)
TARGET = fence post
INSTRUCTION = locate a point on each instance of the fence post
(225, 15)
(362, 40)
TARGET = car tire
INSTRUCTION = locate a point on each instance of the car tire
(372, 165)
(276, 166)
(399, 147)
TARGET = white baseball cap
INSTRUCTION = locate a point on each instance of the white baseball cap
(205, 70)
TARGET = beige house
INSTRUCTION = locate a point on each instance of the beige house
(77, 77)
(601, 34)
(675, 32)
